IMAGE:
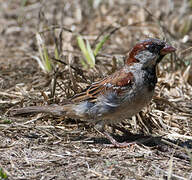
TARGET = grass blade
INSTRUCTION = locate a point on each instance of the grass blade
(84, 50)
(91, 55)
(100, 44)
(44, 56)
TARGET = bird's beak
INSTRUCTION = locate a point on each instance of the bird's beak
(167, 49)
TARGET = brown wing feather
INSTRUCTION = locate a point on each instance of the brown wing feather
(115, 82)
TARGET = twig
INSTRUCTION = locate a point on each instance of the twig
(33, 120)
(167, 102)
(173, 175)
(179, 136)
(10, 95)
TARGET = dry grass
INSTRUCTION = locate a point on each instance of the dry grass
(44, 147)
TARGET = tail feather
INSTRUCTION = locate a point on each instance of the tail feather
(50, 109)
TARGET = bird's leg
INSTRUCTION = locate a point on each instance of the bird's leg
(100, 126)
(115, 143)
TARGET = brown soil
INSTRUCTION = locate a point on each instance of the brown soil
(40, 146)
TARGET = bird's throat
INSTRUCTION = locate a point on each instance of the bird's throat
(150, 77)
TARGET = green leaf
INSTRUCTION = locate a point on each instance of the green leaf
(84, 64)
(47, 61)
(81, 44)
(85, 51)
(23, 3)
(44, 61)
(91, 55)
(3, 175)
(56, 52)
(100, 44)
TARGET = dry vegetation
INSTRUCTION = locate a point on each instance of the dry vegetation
(44, 147)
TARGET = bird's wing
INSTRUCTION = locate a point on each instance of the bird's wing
(117, 82)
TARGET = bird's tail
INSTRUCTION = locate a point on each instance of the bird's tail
(50, 109)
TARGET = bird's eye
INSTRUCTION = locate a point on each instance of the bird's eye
(154, 48)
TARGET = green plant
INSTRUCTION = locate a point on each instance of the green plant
(44, 61)
(23, 3)
(87, 52)
(3, 175)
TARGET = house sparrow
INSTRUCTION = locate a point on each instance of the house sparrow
(118, 96)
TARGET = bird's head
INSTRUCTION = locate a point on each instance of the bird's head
(149, 52)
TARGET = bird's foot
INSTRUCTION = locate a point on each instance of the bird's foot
(116, 144)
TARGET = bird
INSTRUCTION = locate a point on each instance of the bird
(118, 96)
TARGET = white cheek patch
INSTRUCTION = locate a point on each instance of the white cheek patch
(144, 55)
(147, 58)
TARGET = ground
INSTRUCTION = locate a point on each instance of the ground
(41, 146)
